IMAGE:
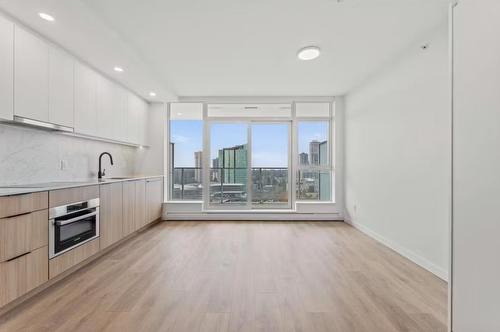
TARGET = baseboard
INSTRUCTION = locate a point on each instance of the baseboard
(254, 217)
(417, 259)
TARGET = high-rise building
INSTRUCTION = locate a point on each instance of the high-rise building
(303, 159)
(215, 172)
(198, 160)
(323, 153)
(234, 162)
(314, 152)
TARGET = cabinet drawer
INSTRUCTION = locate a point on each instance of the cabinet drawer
(73, 257)
(23, 233)
(72, 195)
(19, 204)
(20, 275)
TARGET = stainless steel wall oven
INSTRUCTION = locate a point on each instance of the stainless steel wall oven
(72, 225)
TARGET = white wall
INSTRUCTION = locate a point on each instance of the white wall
(476, 185)
(397, 159)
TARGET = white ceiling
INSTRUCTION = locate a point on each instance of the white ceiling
(234, 47)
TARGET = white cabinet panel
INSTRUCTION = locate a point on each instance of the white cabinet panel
(105, 117)
(134, 109)
(6, 69)
(143, 123)
(61, 88)
(31, 76)
(85, 100)
(120, 106)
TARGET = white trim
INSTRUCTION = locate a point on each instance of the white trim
(274, 216)
(254, 99)
(415, 258)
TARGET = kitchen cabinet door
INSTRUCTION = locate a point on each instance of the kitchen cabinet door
(61, 88)
(143, 123)
(129, 206)
(85, 100)
(140, 204)
(133, 116)
(111, 213)
(120, 113)
(22, 274)
(154, 199)
(6, 69)
(31, 76)
(105, 117)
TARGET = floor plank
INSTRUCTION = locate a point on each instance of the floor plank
(242, 276)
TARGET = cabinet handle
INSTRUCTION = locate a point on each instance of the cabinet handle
(19, 256)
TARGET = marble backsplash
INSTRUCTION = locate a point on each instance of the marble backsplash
(30, 156)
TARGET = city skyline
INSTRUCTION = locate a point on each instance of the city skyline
(187, 137)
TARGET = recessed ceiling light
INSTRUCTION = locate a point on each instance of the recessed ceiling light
(309, 53)
(118, 69)
(179, 113)
(152, 94)
(46, 17)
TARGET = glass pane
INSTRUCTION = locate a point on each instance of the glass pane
(186, 158)
(313, 143)
(229, 159)
(270, 165)
(313, 185)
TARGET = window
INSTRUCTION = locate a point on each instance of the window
(186, 146)
(314, 180)
(247, 163)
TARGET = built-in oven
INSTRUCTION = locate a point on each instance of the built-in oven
(72, 225)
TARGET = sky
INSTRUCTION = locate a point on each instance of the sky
(269, 141)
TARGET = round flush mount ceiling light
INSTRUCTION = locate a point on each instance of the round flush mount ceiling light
(152, 94)
(118, 69)
(46, 17)
(309, 53)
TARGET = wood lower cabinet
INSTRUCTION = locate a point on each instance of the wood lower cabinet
(73, 257)
(23, 233)
(140, 204)
(22, 274)
(129, 206)
(154, 199)
(134, 211)
(111, 213)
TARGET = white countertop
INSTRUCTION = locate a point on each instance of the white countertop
(27, 188)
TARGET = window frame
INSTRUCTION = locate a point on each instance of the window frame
(293, 157)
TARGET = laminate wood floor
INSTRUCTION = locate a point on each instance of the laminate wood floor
(242, 276)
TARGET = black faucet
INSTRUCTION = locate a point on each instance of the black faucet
(101, 173)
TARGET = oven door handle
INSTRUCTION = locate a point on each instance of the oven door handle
(70, 221)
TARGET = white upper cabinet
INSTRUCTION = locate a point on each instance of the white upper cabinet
(42, 82)
(31, 76)
(106, 127)
(134, 109)
(86, 81)
(143, 123)
(61, 88)
(120, 113)
(137, 119)
(6, 69)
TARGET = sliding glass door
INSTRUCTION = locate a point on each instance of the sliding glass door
(248, 165)
(270, 164)
(228, 165)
